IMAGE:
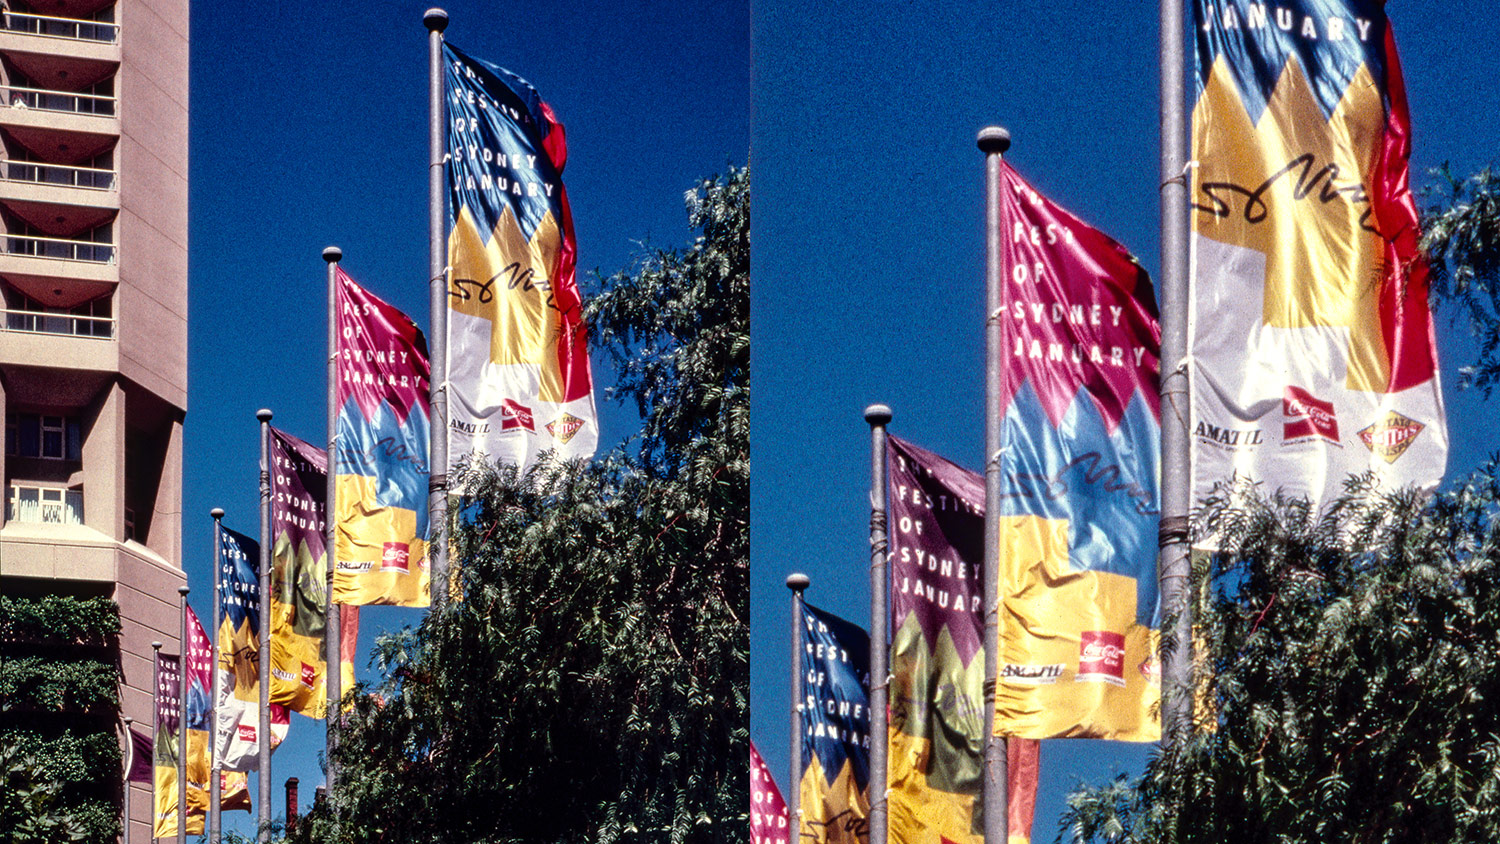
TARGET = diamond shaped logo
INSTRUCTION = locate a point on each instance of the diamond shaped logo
(564, 427)
(1391, 436)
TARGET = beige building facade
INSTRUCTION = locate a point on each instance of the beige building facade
(93, 338)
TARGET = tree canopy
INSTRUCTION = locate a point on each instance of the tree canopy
(592, 682)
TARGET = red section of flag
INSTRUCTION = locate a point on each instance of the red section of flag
(768, 814)
(1022, 772)
(1078, 310)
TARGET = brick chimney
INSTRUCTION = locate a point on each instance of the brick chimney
(291, 805)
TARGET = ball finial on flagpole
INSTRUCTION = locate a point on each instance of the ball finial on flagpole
(878, 414)
(332, 254)
(264, 414)
(994, 139)
(797, 582)
(436, 19)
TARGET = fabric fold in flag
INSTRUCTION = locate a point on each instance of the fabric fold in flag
(1310, 334)
(518, 366)
(835, 666)
(1079, 501)
(381, 471)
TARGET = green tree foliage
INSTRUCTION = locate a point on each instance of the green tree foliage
(1462, 241)
(1347, 676)
(59, 698)
(592, 683)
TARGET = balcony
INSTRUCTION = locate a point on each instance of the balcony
(57, 248)
(37, 173)
(46, 263)
(68, 29)
(64, 102)
(45, 322)
(69, 53)
(64, 126)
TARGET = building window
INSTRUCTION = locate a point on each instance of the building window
(44, 505)
(43, 435)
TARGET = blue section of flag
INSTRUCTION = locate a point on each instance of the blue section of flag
(239, 596)
(497, 130)
(835, 668)
(1330, 39)
(393, 453)
(1104, 484)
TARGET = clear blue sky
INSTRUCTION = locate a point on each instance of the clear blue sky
(868, 261)
(308, 128)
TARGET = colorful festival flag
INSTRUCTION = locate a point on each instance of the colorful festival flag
(1311, 339)
(1079, 502)
(936, 735)
(299, 556)
(518, 365)
(165, 748)
(381, 471)
(835, 665)
(238, 712)
(768, 824)
(234, 786)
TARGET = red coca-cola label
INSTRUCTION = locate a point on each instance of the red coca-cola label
(245, 732)
(395, 556)
(309, 675)
(1101, 657)
(1307, 416)
(514, 415)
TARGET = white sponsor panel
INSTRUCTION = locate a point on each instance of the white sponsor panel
(1270, 404)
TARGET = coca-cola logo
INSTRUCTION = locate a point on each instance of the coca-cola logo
(309, 675)
(514, 415)
(395, 556)
(1101, 657)
(1308, 416)
(245, 732)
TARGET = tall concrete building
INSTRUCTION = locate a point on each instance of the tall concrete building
(93, 351)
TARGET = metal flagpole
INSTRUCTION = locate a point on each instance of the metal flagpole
(878, 415)
(797, 583)
(155, 725)
(1173, 565)
(263, 797)
(993, 142)
(216, 764)
(333, 648)
(437, 484)
(129, 763)
(182, 696)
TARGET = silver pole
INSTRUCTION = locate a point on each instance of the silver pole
(797, 583)
(263, 787)
(155, 725)
(878, 416)
(1173, 564)
(129, 763)
(215, 821)
(437, 484)
(993, 142)
(182, 696)
(335, 654)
